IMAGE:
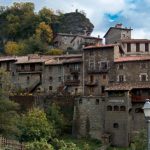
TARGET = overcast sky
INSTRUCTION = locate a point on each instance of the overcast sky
(104, 13)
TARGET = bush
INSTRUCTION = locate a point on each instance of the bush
(39, 145)
(35, 126)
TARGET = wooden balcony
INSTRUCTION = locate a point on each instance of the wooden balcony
(75, 71)
(89, 83)
(97, 70)
(29, 70)
(135, 98)
(72, 82)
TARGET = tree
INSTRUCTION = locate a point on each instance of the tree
(13, 48)
(55, 117)
(35, 126)
(44, 33)
(39, 145)
(8, 109)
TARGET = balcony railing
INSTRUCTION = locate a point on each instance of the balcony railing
(72, 82)
(74, 70)
(139, 98)
(97, 70)
(39, 69)
(89, 83)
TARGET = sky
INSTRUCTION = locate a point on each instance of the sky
(103, 13)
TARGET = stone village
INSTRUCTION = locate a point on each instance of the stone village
(110, 81)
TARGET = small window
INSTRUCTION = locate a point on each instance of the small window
(80, 101)
(137, 47)
(59, 79)
(128, 47)
(103, 89)
(143, 77)
(122, 108)
(91, 53)
(97, 102)
(109, 108)
(120, 67)
(146, 47)
(104, 76)
(121, 78)
(50, 88)
(116, 108)
(116, 125)
(104, 65)
(28, 78)
(143, 65)
(50, 79)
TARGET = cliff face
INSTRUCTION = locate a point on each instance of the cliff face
(75, 23)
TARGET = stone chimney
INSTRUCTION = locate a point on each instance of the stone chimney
(119, 25)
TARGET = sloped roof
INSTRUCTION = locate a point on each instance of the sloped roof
(135, 41)
(132, 58)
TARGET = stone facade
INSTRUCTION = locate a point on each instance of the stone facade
(72, 42)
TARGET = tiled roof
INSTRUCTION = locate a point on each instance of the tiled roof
(127, 86)
(100, 46)
(131, 58)
(135, 41)
(73, 60)
(8, 58)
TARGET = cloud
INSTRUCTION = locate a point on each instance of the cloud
(103, 13)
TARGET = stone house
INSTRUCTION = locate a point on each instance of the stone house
(72, 42)
(117, 33)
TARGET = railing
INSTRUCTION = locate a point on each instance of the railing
(74, 70)
(91, 83)
(39, 69)
(97, 70)
(72, 82)
(11, 144)
(139, 98)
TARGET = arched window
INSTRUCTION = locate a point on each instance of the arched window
(116, 108)
(109, 108)
(122, 108)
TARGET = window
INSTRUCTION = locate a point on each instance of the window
(104, 65)
(128, 47)
(109, 108)
(91, 78)
(50, 88)
(122, 108)
(103, 89)
(91, 90)
(28, 78)
(59, 79)
(91, 64)
(146, 47)
(80, 101)
(143, 77)
(97, 101)
(91, 53)
(137, 47)
(50, 79)
(22, 67)
(116, 125)
(116, 108)
(121, 78)
(120, 66)
(143, 65)
(104, 76)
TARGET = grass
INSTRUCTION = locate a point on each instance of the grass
(93, 143)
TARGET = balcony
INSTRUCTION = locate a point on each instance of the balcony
(97, 70)
(89, 83)
(135, 98)
(72, 82)
(29, 70)
(75, 70)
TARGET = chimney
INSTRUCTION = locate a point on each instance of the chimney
(119, 25)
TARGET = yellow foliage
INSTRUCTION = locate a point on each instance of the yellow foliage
(13, 48)
(55, 51)
(44, 32)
